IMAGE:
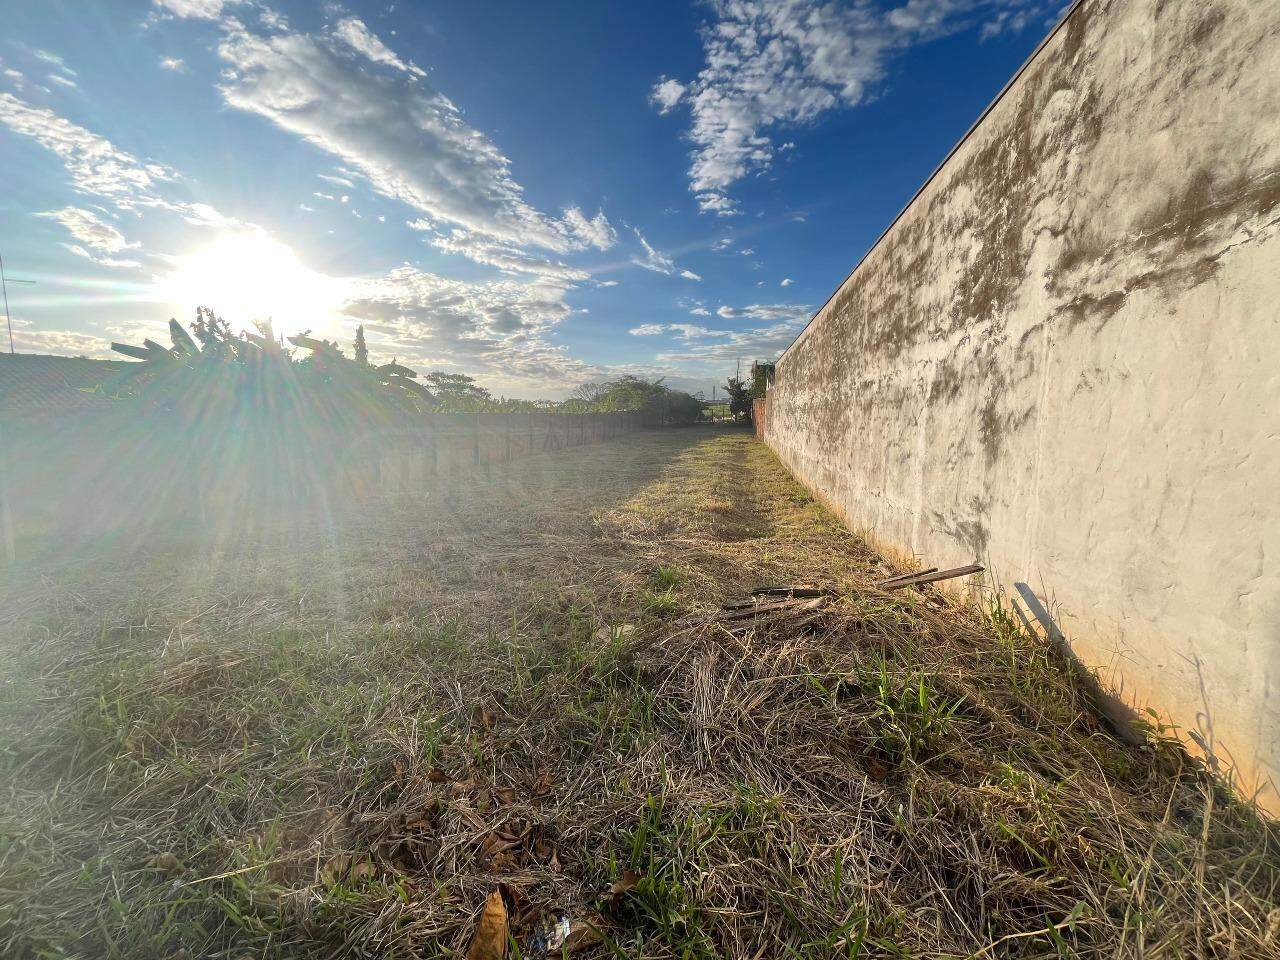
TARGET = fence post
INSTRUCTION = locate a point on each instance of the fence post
(435, 455)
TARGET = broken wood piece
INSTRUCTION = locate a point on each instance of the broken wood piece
(799, 590)
(919, 578)
(905, 576)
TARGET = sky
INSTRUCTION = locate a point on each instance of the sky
(538, 195)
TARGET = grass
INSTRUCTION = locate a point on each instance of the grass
(336, 735)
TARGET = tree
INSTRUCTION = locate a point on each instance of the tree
(740, 396)
(361, 348)
(458, 392)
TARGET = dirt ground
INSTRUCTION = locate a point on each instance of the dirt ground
(497, 719)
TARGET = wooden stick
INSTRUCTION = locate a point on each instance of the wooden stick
(934, 577)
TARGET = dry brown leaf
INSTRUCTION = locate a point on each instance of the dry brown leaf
(344, 868)
(582, 934)
(624, 884)
(505, 795)
(483, 716)
(543, 782)
(489, 942)
(436, 775)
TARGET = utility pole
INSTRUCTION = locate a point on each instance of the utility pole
(4, 287)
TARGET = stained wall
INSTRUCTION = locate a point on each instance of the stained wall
(1063, 360)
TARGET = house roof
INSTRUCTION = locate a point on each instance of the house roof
(37, 384)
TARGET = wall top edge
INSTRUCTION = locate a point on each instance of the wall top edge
(1026, 64)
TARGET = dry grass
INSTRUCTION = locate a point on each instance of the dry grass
(337, 737)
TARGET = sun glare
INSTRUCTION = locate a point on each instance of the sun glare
(246, 277)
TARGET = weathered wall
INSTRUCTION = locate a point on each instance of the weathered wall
(1064, 360)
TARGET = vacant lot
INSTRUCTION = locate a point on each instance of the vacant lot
(338, 732)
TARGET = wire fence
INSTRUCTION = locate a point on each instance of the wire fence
(63, 479)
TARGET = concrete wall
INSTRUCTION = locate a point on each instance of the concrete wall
(1063, 360)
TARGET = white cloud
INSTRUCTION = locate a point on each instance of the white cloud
(53, 60)
(89, 229)
(176, 64)
(105, 261)
(356, 35)
(408, 140)
(700, 312)
(765, 311)
(489, 329)
(195, 9)
(717, 350)
(62, 81)
(607, 283)
(96, 165)
(507, 257)
(781, 63)
(683, 331)
(786, 282)
(689, 275)
(654, 260)
(666, 94)
(692, 331)
(340, 181)
(71, 343)
(597, 232)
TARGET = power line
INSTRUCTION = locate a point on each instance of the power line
(4, 286)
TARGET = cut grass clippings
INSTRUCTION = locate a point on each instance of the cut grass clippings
(344, 736)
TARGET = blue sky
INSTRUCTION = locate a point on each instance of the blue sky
(536, 194)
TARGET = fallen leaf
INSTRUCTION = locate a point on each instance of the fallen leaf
(621, 887)
(461, 787)
(344, 868)
(436, 775)
(483, 716)
(505, 795)
(624, 884)
(876, 770)
(582, 934)
(489, 942)
(543, 782)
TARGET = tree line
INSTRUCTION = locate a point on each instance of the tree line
(209, 371)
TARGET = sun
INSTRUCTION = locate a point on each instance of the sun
(251, 276)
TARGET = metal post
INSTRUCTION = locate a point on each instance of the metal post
(4, 285)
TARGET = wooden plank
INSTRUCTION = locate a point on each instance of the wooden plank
(920, 578)
(905, 576)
